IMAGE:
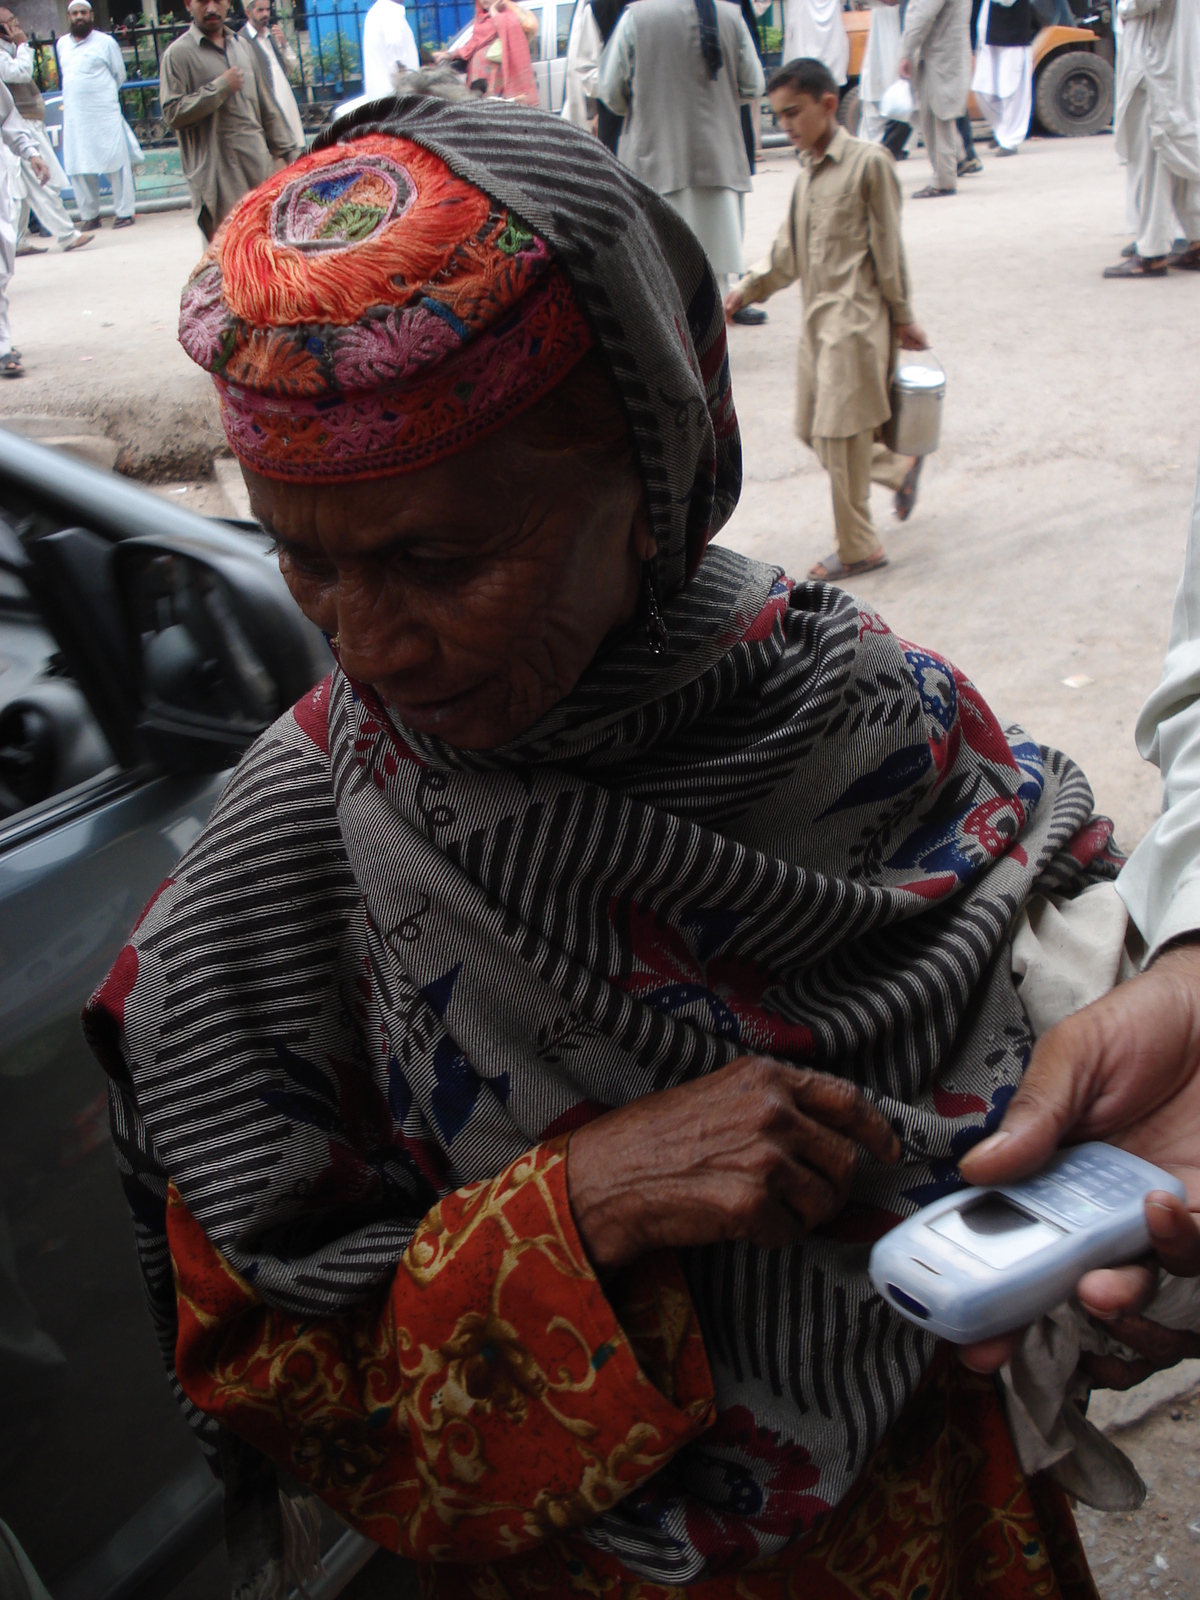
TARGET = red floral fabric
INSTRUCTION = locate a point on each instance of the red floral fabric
(492, 1398)
(496, 1399)
(943, 1512)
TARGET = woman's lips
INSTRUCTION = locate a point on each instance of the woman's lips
(429, 716)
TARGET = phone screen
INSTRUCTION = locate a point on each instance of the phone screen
(995, 1231)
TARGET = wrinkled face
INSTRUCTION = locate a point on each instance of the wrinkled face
(6, 18)
(259, 13)
(805, 120)
(81, 21)
(209, 15)
(472, 594)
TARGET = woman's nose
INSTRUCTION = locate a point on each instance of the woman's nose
(378, 636)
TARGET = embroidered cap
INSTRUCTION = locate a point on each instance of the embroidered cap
(365, 312)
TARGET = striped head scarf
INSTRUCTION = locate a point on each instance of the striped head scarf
(417, 281)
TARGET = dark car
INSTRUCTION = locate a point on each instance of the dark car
(141, 650)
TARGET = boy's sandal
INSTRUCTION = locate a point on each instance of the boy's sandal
(1138, 267)
(930, 193)
(1187, 260)
(10, 365)
(832, 567)
(906, 494)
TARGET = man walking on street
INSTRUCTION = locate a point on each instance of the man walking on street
(216, 96)
(1002, 33)
(280, 58)
(815, 30)
(19, 140)
(1157, 127)
(96, 141)
(387, 45)
(935, 53)
(841, 238)
(679, 71)
(16, 70)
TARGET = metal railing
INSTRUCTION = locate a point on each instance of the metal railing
(325, 34)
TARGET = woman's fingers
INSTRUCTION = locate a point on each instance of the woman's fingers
(836, 1103)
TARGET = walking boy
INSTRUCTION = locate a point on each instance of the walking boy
(841, 238)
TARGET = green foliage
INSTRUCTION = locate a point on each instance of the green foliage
(337, 56)
(772, 39)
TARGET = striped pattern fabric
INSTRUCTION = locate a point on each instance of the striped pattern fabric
(386, 968)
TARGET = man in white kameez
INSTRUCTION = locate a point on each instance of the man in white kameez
(388, 46)
(1157, 127)
(280, 59)
(585, 46)
(29, 194)
(880, 67)
(20, 141)
(814, 28)
(1003, 78)
(95, 138)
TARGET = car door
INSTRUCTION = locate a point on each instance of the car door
(101, 1480)
(89, 1432)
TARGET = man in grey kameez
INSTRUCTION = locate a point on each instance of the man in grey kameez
(935, 52)
(680, 89)
(217, 98)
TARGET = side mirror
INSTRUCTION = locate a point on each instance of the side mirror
(219, 646)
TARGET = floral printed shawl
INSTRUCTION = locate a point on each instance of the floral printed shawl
(796, 834)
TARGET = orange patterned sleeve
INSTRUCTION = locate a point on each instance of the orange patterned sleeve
(494, 1397)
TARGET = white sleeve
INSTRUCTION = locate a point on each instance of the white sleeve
(18, 68)
(1160, 883)
(17, 137)
(117, 60)
(616, 65)
(752, 83)
(409, 56)
(587, 58)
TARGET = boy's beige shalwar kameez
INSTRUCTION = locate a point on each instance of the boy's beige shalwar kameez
(841, 238)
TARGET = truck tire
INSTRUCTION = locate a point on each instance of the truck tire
(1074, 94)
(849, 111)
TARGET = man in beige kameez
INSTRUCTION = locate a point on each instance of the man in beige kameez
(841, 238)
(217, 98)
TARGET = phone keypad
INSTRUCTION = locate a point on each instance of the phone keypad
(1060, 1200)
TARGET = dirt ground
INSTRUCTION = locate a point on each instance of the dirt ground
(1042, 556)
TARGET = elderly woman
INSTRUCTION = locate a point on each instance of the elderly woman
(562, 995)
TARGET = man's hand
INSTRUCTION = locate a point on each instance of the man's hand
(904, 70)
(278, 35)
(40, 170)
(16, 33)
(759, 1150)
(910, 337)
(234, 77)
(733, 302)
(1125, 1069)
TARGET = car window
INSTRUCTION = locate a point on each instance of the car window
(50, 741)
(535, 46)
(565, 15)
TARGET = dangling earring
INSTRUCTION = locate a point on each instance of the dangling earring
(656, 628)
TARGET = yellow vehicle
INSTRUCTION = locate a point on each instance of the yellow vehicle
(1073, 78)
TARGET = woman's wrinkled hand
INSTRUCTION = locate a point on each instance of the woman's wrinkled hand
(760, 1151)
